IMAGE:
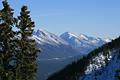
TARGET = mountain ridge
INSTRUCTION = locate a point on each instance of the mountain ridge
(102, 63)
(82, 42)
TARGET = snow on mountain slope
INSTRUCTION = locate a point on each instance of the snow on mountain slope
(82, 43)
(98, 69)
(71, 38)
(107, 40)
(83, 37)
(68, 44)
(44, 36)
(52, 46)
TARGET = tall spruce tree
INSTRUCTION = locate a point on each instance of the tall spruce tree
(27, 57)
(18, 52)
(6, 45)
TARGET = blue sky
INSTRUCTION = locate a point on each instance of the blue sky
(91, 17)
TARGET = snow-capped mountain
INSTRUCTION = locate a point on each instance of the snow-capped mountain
(65, 45)
(52, 46)
(43, 36)
(68, 44)
(61, 50)
(82, 43)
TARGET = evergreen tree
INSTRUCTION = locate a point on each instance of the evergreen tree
(26, 65)
(18, 52)
(6, 45)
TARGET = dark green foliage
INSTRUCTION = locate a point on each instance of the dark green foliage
(6, 45)
(76, 70)
(18, 52)
(26, 65)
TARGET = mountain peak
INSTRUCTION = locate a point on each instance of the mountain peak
(68, 35)
(48, 37)
(43, 33)
(40, 32)
(83, 36)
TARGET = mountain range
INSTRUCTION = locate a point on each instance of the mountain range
(102, 63)
(58, 51)
(66, 45)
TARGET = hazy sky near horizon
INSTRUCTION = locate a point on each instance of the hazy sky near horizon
(91, 17)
